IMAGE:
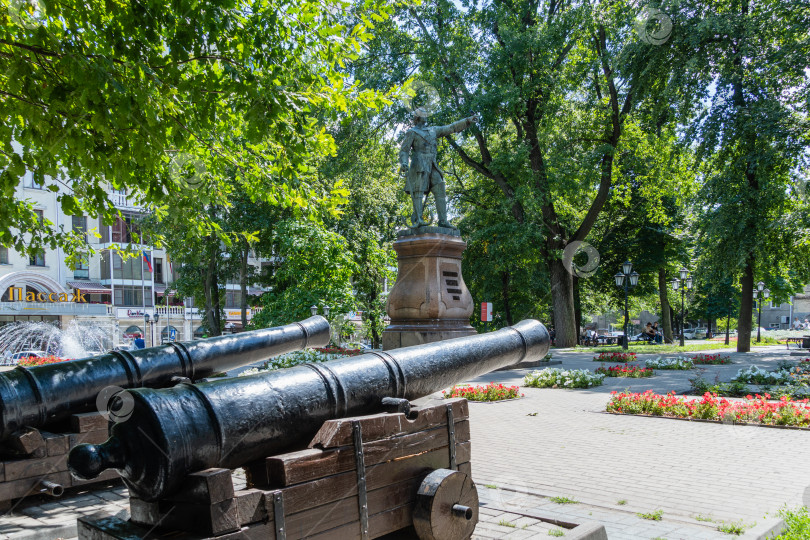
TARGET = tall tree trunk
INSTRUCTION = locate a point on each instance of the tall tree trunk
(746, 308)
(562, 300)
(243, 272)
(372, 316)
(577, 308)
(211, 286)
(666, 315)
(507, 308)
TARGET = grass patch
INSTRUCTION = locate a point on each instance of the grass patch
(556, 532)
(732, 528)
(701, 517)
(563, 500)
(657, 349)
(621, 502)
(490, 486)
(653, 516)
(797, 523)
(505, 523)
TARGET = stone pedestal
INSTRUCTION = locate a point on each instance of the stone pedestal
(429, 301)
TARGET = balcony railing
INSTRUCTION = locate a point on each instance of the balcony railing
(120, 200)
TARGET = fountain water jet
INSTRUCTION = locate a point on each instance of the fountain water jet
(76, 340)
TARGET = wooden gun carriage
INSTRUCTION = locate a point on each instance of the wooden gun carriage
(359, 478)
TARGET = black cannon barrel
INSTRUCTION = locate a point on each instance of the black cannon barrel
(35, 396)
(179, 430)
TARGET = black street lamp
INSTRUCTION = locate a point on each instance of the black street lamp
(686, 279)
(151, 325)
(626, 278)
(759, 294)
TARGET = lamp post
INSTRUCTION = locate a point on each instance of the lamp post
(626, 278)
(151, 325)
(686, 280)
(759, 294)
(146, 326)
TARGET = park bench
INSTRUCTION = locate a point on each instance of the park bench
(801, 342)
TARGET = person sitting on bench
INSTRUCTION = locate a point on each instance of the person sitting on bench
(659, 336)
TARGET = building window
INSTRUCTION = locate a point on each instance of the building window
(82, 270)
(133, 296)
(233, 299)
(126, 230)
(80, 226)
(34, 180)
(158, 266)
(3, 255)
(37, 259)
(131, 268)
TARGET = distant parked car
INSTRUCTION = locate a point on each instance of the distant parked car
(695, 332)
(16, 357)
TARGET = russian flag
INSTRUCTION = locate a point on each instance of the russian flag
(147, 260)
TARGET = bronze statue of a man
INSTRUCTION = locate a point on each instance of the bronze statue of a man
(424, 176)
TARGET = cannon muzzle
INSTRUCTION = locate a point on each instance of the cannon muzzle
(227, 423)
(35, 396)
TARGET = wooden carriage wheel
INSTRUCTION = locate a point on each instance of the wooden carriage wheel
(446, 506)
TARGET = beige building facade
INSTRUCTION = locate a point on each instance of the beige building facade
(106, 290)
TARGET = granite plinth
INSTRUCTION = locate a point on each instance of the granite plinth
(429, 301)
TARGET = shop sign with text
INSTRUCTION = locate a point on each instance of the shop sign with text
(15, 294)
(133, 313)
(236, 313)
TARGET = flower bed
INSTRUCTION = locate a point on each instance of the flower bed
(634, 372)
(678, 362)
(33, 361)
(339, 351)
(711, 359)
(562, 378)
(307, 356)
(753, 410)
(615, 357)
(756, 375)
(490, 392)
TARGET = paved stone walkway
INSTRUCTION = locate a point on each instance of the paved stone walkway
(613, 466)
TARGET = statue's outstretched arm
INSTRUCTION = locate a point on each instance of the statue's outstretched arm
(455, 127)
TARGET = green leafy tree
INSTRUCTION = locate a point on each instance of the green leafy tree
(555, 83)
(752, 136)
(94, 95)
(365, 163)
(312, 267)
